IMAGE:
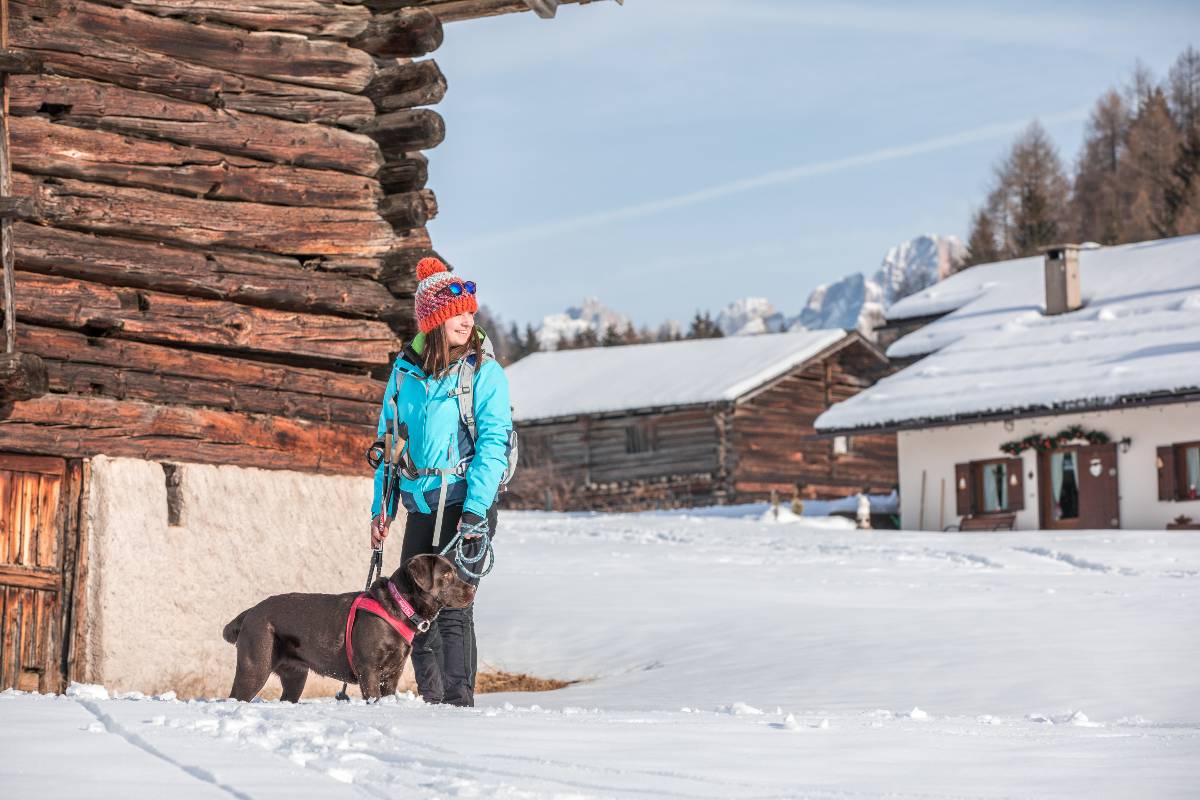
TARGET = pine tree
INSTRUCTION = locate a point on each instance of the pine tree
(612, 337)
(981, 244)
(703, 327)
(1097, 206)
(1184, 102)
(1147, 173)
(531, 343)
(1036, 190)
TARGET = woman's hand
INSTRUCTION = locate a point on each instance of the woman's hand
(472, 525)
(379, 530)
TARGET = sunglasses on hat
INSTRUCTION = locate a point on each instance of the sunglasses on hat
(457, 289)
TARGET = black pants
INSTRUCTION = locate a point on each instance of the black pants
(444, 657)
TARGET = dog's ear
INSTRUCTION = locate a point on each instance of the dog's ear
(420, 569)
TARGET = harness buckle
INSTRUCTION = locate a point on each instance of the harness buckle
(423, 626)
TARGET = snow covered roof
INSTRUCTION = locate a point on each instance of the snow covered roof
(599, 380)
(996, 352)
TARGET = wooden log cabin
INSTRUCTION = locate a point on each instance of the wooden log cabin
(700, 422)
(210, 211)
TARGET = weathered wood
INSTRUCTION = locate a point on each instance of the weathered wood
(88, 103)
(399, 273)
(19, 62)
(74, 570)
(407, 85)
(407, 33)
(405, 211)
(25, 208)
(369, 268)
(404, 173)
(401, 132)
(28, 578)
(253, 279)
(323, 18)
(81, 427)
(44, 148)
(56, 344)
(148, 316)
(281, 57)
(144, 214)
(71, 49)
(6, 191)
(22, 376)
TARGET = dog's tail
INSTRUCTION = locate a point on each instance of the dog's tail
(230, 634)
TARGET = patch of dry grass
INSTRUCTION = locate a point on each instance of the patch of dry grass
(500, 681)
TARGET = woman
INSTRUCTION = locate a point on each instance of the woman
(451, 467)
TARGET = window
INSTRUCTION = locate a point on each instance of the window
(640, 438)
(1064, 484)
(989, 487)
(1179, 471)
(841, 445)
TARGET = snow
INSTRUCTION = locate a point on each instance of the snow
(721, 656)
(608, 379)
(998, 352)
(590, 314)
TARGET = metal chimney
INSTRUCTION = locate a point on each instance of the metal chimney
(1062, 279)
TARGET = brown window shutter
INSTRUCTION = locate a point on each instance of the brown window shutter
(1016, 484)
(1166, 473)
(962, 489)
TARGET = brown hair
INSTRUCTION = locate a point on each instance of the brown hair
(439, 355)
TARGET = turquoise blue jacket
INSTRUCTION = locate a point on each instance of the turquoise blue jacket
(438, 439)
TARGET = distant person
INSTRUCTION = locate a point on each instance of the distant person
(445, 463)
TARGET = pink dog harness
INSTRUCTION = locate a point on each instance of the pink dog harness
(373, 606)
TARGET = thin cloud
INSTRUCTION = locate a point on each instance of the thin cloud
(773, 178)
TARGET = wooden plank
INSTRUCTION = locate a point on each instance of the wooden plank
(26, 521)
(275, 56)
(233, 374)
(318, 18)
(7, 529)
(407, 85)
(62, 39)
(46, 534)
(22, 376)
(8, 644)
(19, 62)
(13, 462)
(160, 317)
(79, 427)
(42, 147)
(88, 103)
(255, 279)
(405, 131)
(143, 214)
(19, 208)
(74, 604)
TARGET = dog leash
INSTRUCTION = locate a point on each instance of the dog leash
(464, 562)
(374, 571)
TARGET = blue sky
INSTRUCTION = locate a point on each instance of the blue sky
(674, 155)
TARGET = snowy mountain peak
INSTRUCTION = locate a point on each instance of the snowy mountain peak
(591, 313)
(750, 315)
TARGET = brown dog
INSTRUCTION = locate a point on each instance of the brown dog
(289, 634)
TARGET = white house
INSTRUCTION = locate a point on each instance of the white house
(1055, 392)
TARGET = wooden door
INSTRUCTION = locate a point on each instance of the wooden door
(1077, 487)
(1098, 485)
(32, 524)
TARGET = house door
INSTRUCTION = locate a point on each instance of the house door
(1078, 487)
(32, 523)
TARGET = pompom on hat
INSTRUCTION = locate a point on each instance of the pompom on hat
(434, 306)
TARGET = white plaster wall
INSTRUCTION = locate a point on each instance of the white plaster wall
(936, 450)
(159, 595)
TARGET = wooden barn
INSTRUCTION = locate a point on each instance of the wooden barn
(697, 422)
(211, 210)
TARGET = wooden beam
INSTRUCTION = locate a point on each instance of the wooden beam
(22, 376)
(405, 211)
(81, 427)
(143, 214)
(256, 279)
(7, 274)
(64, 42)
(406, 172)
(406, 33)
(309, 17)
(45, 580)
(92, 104)
(159, 317)
(236, 373)
(401, 132)
(19, 62)
(42, 147)
(407, 85)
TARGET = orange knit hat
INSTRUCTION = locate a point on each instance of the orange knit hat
(432, 305)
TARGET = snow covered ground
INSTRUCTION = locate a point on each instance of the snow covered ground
(722, 656)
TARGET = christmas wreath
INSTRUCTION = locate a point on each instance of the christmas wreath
(1042, 443)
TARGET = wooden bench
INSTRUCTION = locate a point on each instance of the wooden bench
(986, 522)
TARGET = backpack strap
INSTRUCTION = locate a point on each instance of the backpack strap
(465, 391)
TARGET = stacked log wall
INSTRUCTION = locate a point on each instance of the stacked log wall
(777, 449)
(586, 463)
(227, 203)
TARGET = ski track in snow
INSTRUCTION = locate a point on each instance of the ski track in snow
(725, 656)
